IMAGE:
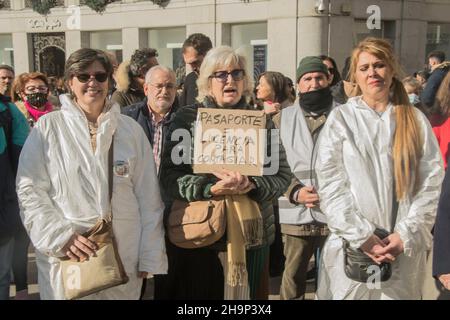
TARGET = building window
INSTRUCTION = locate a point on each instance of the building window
(361, 31)
(250, 39)
(6, 50)
(59, 3)
(110, 41)
(5, 4)
(438, 38)
(168, 42)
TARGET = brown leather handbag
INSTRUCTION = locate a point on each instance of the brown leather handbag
(197, 224)
(105, 269)
(102, 271)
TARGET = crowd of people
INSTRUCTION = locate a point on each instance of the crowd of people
(360, 163)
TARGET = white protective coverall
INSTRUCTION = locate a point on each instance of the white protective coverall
(63, 188)
(356, 187)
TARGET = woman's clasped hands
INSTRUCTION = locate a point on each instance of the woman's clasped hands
(231, 182)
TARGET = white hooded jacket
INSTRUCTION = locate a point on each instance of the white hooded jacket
(63, 188)
(356, 186)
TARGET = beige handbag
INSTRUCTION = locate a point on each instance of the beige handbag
(104, 269)
(197, 224)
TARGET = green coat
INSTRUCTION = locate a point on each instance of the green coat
(179, 181)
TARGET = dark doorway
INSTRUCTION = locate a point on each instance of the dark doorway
(51, 61)
(49, 53)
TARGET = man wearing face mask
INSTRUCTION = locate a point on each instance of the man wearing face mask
(303, 225)
(30, 94)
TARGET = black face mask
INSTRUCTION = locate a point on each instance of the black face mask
(318, 101)
(37, 99)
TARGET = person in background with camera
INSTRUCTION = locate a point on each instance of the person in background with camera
(379, 172)
(30, 92)
(63, 183)
(130, 77)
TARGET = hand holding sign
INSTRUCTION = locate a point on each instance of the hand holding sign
(230, 139)
(231, 182)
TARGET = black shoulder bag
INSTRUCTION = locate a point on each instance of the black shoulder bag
(360, 267)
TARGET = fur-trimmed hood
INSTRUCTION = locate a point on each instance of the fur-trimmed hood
(123, 80)
(443, 65)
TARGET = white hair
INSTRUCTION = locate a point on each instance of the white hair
(220, 58)
(152, 70)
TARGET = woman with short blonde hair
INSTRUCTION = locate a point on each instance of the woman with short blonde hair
(221, 57)
(197, 273)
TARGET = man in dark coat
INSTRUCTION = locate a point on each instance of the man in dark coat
(154, 114)
(195, 48)
(13, 132)
(439, 68)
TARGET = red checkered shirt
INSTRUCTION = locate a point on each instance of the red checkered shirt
(157, 137)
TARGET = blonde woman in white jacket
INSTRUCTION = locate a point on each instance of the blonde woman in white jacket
(377, 151)
(62, 183)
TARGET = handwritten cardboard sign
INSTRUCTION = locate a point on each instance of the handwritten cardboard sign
(230, 139)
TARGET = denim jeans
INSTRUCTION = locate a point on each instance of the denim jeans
(6, 255)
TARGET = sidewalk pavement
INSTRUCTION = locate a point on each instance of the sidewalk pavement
(33, 289)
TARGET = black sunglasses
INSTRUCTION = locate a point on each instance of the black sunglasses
(99, 77)
(222, 76)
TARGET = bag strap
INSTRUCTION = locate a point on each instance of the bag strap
(110, 173)
(394, 211)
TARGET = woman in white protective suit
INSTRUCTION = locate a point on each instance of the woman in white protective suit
(378, 168)
(62, 182)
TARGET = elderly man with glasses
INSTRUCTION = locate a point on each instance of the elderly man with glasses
(153, 114)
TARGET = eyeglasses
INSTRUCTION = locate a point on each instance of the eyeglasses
(168, 86)
(222, 76)
(34, 89)
(99, 77)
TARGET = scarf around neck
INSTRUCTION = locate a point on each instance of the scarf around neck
(36, 113)
(317, 101)
(244, 231)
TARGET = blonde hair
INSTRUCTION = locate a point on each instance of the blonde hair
(443, 97)
(408, 141)
(220, 58)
